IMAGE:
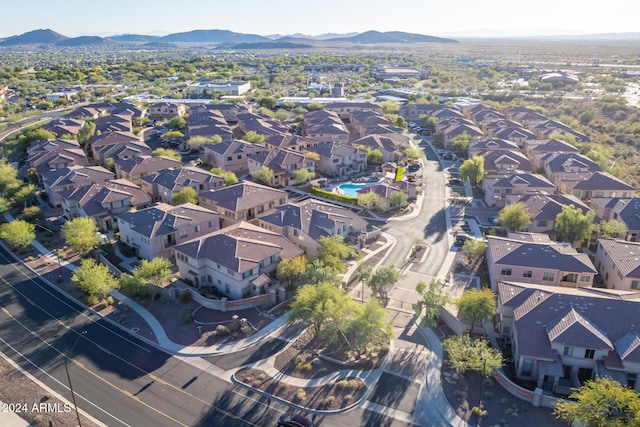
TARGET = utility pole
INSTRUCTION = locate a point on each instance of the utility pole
(66, 368)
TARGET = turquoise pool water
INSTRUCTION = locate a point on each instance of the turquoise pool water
(349, 189)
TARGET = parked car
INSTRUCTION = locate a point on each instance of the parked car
(413, 167)
(294, 420)
(455, 181)
(461, 238)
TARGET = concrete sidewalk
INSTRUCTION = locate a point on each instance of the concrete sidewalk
(10, 418)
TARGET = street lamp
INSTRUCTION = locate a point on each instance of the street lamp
(66, 368)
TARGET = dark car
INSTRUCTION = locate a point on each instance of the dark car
(455, 181)
(294, 420)
(414, 167)
(493, 219)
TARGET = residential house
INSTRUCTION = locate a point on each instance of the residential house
(304, 223)
(454, 130)
(242, 201)
(346, 109)
(261, 124)
(544, 208)
(414, 112)
(384, 191)
(134, 169)
(597, 184)
(114, 123)
(535, 149)
(59, 180)
(339, 159)
(498, 187)
(549, 128)
(153, 231)
(501, 161)
(528, 117)
(324, 126)
(534, 258)
(624, 210)
(235, 260)
(230, 112)
(50, 155)
(618, 262)
(62, 127)
(488, 144)
(283, 163)
(164, 184)
(166, 110)
(559, 167)
(563, 337)
(289, 142)
(391, 146)
(207, 123)
(516, 134)
(103, 201)
(370, 123)
(232, 156)
(126, 144)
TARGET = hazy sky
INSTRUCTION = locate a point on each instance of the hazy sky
(264, 17)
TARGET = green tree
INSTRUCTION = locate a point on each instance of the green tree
(86, 132)
(461, 142)
(263, 175)
(229, 177)
(314, 106)
(368, 325)
(25, 194)
(602, 402)
(389, 107)
(333, 251)
(18, 233)
(369, 200)
(477, 305)
(110, 164)
(465, 354)
(174, 134)
(400, 122)
(5, 205)
(383, 278)
(157, 272)
(316, 303)
(185, 195)
(572, 224)
(282, 116)
(253, 137)
(316, 272)
(474, 249)
(303, 175)
(515, 217)
(166, 152)
(81, 234)
(473, 170)
(291, 269)
(177, 123)
(94, 279)
(610, 228)
(267, 102)
(136, 286)
(412, 153)
(33, 214)
(432, 297)
(9, 182)
(398, 199)
(199, 141)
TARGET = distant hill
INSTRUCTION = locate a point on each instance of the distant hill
(326, 36)
(374, 37)
(34, 37)
(85, 41)
(133, 38)
(271, 45)
(212, 36)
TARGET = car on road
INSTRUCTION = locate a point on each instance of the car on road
(455, 181)
(294, 420)
(493, 219)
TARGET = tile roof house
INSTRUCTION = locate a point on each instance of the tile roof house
(154, 231)
(454, 130)
(289, 142)
(368, 123)
(491, 125)
(384, 191)
(487, 144)
(230, 112)
(103, 201)
(207, 123)
(501, 161)
(324, 126)
(558, 165)
(65, 179)
(413, 112)
(544, 208)
(624, 210)
(391, 146)
(535, 149)
(134, 169)
(618, 262)
(243, 201)
(166, 110)
(106, 124)
(549, 128)
(597, 184)
(235, 260)
(163, 184)
(62, 127)
(339, 159)
(498, 187)
(524, 115)
(305, 222)
(346, 109)
(117, 144)
(542, 262)
(232, 156)
(563, 337)
(516, 134)
(55, 154)
(283, 163)
(52, 145)
(261, 124)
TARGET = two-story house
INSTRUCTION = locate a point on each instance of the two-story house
(166, 110)
(502, 161)
(134, 169)
(498, 187)
(232, 156)
(624, 210)
(154, 231)
(596, 184)
(391, 146)
(235, 260)
(534, 258)
(59, 180)
(243, 201)
(544, 208)
(325, 126)
(283, 163)
(618, 262)
(163, 184)
(339, 159)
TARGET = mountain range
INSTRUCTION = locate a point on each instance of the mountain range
(223, 38)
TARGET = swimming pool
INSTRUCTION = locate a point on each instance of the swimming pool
(350, 189)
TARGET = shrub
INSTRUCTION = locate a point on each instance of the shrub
(187, 318)
(348, 383)
(92, 300)
(503, 401)
(256, 384)
(348, 398)
(186, 297)
(478, 412)
(327, 401)
(301, 395)
(222, 330)
(304, 366)
(333, 196)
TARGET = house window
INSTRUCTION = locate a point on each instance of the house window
(197, 228)
(527, 273)
(506, 272)
(296, 232)
(635, 284)
(568, 351)
(229, 158)
(210, 224)
(239, 156)
(589, 353)
(585, 279)
(548, 277)
(527, 366)
(542, 223)
(183, 234)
